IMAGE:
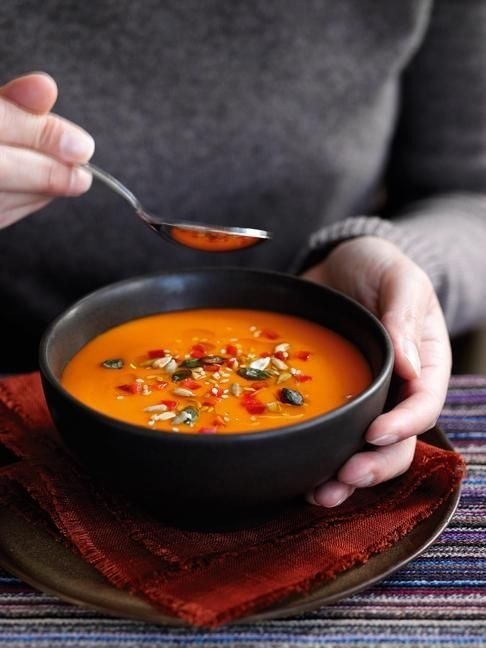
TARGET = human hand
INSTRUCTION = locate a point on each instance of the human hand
(38, 150)
(377, 274)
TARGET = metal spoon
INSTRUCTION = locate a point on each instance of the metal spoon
(210, 238)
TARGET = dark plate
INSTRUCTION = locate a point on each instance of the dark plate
(46, 565)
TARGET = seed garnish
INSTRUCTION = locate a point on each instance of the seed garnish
(113, 363)
(203, 380)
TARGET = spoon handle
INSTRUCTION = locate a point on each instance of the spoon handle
(114, 184)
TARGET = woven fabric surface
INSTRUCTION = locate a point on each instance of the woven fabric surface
(439, 599)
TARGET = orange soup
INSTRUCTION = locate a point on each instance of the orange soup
(217, 371)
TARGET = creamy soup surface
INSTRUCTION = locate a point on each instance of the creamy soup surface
(217, 371)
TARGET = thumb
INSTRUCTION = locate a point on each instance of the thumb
(35, 92)
(404, 305)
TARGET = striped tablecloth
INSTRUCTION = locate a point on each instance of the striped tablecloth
(439, 599)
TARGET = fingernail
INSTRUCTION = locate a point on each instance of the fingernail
(330, 496)
(76, 146)
(365, 480)
(80, 181)
(384, 439)
(336, 502)
(412, 355)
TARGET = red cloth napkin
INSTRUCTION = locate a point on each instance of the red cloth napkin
(204, 578)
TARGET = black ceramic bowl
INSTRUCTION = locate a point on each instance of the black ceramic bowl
(198, 473)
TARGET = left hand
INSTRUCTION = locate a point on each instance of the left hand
(377, 274)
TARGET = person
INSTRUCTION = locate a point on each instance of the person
(354, 130)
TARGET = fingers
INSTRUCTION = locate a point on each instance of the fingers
(365, 469)
(39, 151)
(16, 206)
(381, 277)
(36, 92)
(422, 399)
(332, 493)
(33, 129)
(24, 171)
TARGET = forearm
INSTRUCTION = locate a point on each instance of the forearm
(445, 236)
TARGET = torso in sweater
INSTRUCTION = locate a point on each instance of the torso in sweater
(274, 114)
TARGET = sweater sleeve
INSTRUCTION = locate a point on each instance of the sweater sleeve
(436, 172)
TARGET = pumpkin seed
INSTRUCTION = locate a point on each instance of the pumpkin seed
(260, 363)
(279, 364)
(164, 416)
(113, 363)
(185, 393)
(145, 363)
(252, 374)
(171, 367)
(213, 359)
(160, 363)
(156, 408)
(191, 363)
(181, 374)
(291, 396)
(236, 389)
(188, 415)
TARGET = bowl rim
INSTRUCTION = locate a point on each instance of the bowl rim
(47, 373)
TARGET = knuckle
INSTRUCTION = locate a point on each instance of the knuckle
(394, 460)
(61, 179)
(48, 134)
(57, 179)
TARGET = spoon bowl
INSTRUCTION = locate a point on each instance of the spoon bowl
(199, 236)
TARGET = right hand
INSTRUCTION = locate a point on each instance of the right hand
(39, 151)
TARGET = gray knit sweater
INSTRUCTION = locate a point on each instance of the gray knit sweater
(293, 115)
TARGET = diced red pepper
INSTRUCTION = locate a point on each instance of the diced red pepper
(210, 401)
(302, 377)
(208, 430)
(255, 407)
(132, 388)
(216, 391)
(252, 404)
(281, 355)
(269, 333)
(303, 355)
(247, 397)
(198, 351)
(156, 353)
(190, 383)
(231, 350)
(258, 385)
(170, 404)
(211, 368)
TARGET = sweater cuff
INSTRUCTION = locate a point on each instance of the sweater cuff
(414, 246)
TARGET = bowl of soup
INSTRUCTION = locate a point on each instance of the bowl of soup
(215, 390)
